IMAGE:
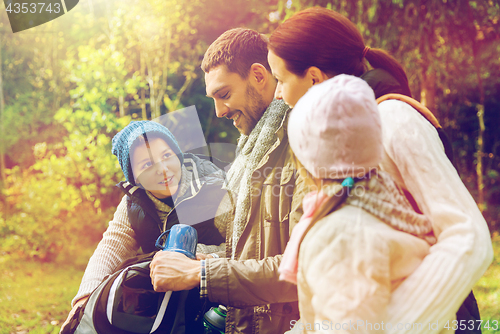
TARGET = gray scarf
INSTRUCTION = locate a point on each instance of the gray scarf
(380, 196)
(250, 151)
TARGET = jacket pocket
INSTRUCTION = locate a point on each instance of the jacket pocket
(285, 309)
(276, 203)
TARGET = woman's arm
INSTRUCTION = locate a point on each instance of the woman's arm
(415, 156)
(118, 243)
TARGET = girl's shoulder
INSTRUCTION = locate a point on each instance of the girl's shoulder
(345, 221)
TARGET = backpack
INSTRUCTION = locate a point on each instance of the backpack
(125, 303)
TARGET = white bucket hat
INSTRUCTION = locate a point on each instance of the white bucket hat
(335, 129)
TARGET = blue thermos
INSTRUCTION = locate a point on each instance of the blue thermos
(184, 239)
(180, 238)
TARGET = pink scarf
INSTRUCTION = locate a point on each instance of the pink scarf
(289, 263)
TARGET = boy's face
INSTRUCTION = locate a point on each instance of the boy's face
(156, 168)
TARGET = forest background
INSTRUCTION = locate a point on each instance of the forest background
(68, 86)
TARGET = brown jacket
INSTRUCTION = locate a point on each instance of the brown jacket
(257, 301)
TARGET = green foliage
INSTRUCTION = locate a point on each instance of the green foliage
(66, 82)
(67, 194)
(28, 87)
(86, 155)
(100, 77)
(47, 233)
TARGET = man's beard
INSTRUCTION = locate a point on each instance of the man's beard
(256, 107)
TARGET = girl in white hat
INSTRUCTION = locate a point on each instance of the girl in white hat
(359, 238)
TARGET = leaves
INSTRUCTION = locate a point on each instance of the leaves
(71, 84)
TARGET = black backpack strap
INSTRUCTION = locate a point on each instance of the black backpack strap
(143, 216)
(448, 148)
(469, 311)
(138, 196)
(136, 259)
(180, 316)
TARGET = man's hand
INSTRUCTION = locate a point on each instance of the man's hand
(202, 256)
(172, 271)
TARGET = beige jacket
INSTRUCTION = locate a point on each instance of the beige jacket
(352, 260)
(415, 158)
(258, 302)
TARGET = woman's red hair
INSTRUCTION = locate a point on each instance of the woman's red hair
(325, 39)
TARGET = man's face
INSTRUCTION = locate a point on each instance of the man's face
(235, 98)
(156, 168)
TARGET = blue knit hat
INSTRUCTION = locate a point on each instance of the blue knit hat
(123, 140)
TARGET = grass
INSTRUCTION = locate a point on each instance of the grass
(487, 290)
(35, 297)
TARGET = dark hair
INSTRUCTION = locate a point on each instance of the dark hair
(330, 41)
(238, 49)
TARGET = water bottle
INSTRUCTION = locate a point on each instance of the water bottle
(214, 320)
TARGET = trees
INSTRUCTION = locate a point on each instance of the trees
(449, 50)
(68, 190)
(69, 85)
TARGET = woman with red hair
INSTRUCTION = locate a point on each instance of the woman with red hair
(317, 44)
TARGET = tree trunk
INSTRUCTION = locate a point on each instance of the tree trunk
(121, 102)
(428, 91)
(57, 98)
(166, 61)
(151, 81)
(480, 113)
(479, 153)
(143, 91)
(480, 142)
(3, 181)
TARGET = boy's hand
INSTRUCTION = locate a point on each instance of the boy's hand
(73, 310)
(172, 271)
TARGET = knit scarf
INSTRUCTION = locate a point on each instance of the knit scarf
(250, 151)
(378, 195)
